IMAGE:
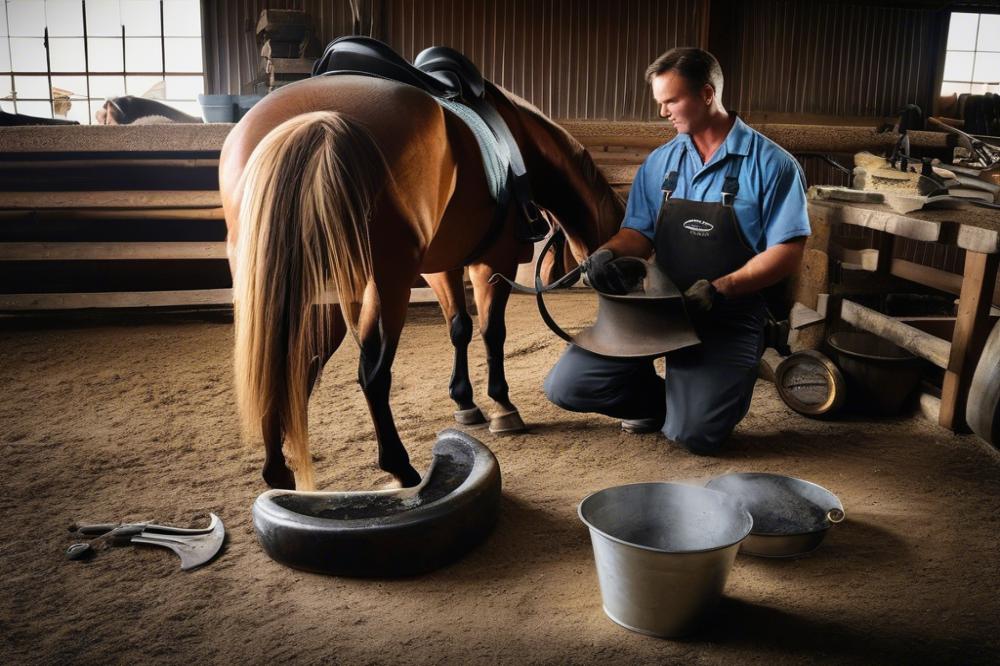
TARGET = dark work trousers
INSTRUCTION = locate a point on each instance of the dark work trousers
(707, 389)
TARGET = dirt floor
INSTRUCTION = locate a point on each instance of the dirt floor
(132, 420)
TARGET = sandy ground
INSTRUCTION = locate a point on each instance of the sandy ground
(110, 421)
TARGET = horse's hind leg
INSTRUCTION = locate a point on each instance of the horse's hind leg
(491, 303)
(276, 473)
(378, 349)
(450, 292)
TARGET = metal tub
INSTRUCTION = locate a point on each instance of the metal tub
(663, 552)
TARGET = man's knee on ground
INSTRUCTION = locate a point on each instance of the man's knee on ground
(703, 438)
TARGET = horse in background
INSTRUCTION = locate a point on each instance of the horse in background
(353, 186)
(131, 110)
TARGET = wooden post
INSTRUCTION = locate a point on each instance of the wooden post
(971, 329)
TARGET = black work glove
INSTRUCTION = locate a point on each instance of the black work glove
(702, 296)
(607, 275)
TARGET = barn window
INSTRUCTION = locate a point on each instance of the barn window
(972, 63)
(62, 58)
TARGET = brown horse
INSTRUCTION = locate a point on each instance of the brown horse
(354, 186)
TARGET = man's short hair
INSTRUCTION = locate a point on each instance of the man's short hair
(696, 66)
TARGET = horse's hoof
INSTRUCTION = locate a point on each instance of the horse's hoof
(507, 422)
(279, 477)
(470, 417)
(408, 477)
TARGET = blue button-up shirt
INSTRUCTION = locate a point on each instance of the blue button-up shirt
(771, 203)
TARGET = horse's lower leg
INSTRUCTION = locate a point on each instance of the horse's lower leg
(378, 349)
(276, 472)
(450, 292)
(491, 303)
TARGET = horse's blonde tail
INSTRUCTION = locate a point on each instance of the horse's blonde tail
(308, 194)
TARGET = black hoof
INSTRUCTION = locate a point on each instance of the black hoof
(409, 477)
(279, 477)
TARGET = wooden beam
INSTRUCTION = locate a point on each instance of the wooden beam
(131, 199)
(56, 165)
(971, 329)
(111, 251)
(117, 299)
(144, 299)
(917, 342)
(115, 214)
(875, 217)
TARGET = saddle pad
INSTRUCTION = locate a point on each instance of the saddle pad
(496, 156)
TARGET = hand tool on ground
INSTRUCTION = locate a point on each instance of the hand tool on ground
(195, 546)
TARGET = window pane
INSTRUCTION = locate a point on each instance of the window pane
(987, 67)
(6, 87)
(190, 108)
(143, 54)
(106, 86)
(65, 18)
(183, 54)
(989, 32)
(141, 18)
(958, 66)
(151, 87)
(36, 109)
(103, 18)
(66, 54)
(74, 86)
(105, 54)
(182, 18)
(4, 53)
(3, 20)
(28, 55)
(185, 87)
(80, 112)
(962, 31)
(26, 18)
(31, 87)
(953, 88)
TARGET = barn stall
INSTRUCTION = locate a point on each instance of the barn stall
(117, 344)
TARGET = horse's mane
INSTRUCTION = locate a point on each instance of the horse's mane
(574, 150)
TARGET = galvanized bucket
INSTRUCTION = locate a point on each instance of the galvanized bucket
(663, 552)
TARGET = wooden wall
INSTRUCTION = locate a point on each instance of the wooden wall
(784, 60)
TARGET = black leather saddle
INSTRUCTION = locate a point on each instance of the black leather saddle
(445, 73)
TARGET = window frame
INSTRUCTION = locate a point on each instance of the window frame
(162, 74)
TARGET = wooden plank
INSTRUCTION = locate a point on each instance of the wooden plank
(873, 217)
(58, 141)
(143, 299)
(113, 199)
(927, 276)
(111, 251)
(116, 214)
(971, 329)
(117, 299)
(181, 163)
(825, 137)
(917, 342)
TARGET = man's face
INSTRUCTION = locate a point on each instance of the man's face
(686, 110)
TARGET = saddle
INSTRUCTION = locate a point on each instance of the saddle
(451, 78)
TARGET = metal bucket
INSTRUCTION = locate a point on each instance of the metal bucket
(663, 552)
(881, 376)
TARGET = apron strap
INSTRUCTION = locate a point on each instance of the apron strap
(731, 185)
(670, 180)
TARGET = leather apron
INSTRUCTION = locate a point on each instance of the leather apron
(697, 240)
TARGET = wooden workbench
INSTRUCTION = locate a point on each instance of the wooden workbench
(975, 230)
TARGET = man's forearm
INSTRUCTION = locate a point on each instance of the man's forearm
(629, 243)
(769, 267)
